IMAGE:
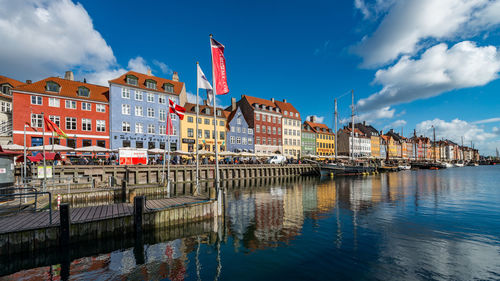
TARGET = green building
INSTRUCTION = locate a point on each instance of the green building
(308, 141)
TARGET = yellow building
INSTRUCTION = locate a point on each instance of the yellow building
(325, 139)
(390, 146)
(375, 146)
(206, 134)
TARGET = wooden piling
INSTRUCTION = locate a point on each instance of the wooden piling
(64, 237)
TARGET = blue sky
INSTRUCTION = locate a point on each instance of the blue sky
(412, 63)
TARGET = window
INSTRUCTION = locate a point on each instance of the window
(199, 133)
(151, 112)
(238, 140)
(54, 141)
(71, 143)
(56, 120)
(243, 130)
(244, 141)
(231, 139)
(6, 90)
(250, 141)
(219, 112)
(151, 84)
(54, 102)
(36, 100)
(213, 122)
(263, 140)
(238, 121)
(151, 145)
(151, 129)
(86, 143)
(190, 132)
(100, 125)
(238, 129)
(199, 120)
(83, 92)
(207, 134)
(86, 124)
(250, 131)
(151, 97)
(139, 144)
(279, 131)
(263, 129)
(36, 120)
(169, 88)
(257, 140)
(126, 109)
(125, 143)
(274, 119)
(100, 108)
(213, 134)
(139, 128)
(101, 143)
(274, 130)
(139, 111)
(86, 106)
(286, 142)
(222, 123)
(190, 119)
(162, 129)
(70, 123)
(207, 121)
(274, 141)
(296, 114)
(70, 104)
(162, 99)
(257, 128)
(6, 106)
(52, 86)
(138, 95)
(132, 80)
(126, 128)
(126, 93)
(222, 135)
(257, 116)
(163, 115)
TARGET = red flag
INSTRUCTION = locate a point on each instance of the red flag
(52, 127)
(170, 126)
(177, 109)
(219, 67)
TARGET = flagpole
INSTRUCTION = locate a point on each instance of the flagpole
(24, 168)
(196, 121)
(168, 163)
(43, 149)
(215, 124)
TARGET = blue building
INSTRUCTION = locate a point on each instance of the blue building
(239, 136)
(138, 110)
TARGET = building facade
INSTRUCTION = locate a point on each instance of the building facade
(139, 108)
(264, 117)
(206, 133)
(325, 138)
(240, 137)
(80, 109)
(358, 144)
(374, 136)
(308, 142)
(6, 86)
(291, 123)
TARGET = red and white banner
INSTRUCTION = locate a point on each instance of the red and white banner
(177, 109)
(219, 67)
(170, 126)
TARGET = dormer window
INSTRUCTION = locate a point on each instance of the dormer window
(6, 90)
(219, 113)
(132, 80)
(169, 88)
(52, 87)
(150, 84)
(286, 112)
(207, 110)
(83, 92)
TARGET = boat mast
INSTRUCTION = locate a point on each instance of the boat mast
(335, 135)
(352, 130)
(434, 143)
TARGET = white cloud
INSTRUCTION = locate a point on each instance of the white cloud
(42, 38)
(438, 70)
(456, 129)
(408, 24)
(372, 9)
(373, 115)
(319, 119)
(396, 124)
(138, 64)
(490, 120)
(165, 69)
(496, 130)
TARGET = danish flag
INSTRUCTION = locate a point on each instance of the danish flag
(177, 109)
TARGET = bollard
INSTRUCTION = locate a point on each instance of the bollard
(139, 203)
(212, 193)
(64, 217)
(124, 191)
(58, 201)
(93, 183)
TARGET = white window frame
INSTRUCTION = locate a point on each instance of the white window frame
(150, 97)
(139, 128)
(38, 100)
(125, 127)
(151, 129)
(54, 102)
(70, 121)
(125, 93)
(138, 95)
(125, 109)
(86, 124)
(151, 112)
(100, 108)
(85, 104)
(36, 120)
(138, 111)
(100, 125)
(70, 104)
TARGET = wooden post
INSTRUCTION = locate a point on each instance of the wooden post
(139, 202)
(124, 191)
(64, 215)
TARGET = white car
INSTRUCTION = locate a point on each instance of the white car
(277, 159)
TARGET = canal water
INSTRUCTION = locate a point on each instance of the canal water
(410, 225)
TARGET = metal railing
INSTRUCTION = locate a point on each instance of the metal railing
(22, 193)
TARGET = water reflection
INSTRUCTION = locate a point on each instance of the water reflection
(406, 225)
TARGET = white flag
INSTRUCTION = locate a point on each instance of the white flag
(204, 84)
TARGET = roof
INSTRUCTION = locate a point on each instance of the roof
(178, 86)
(315, 127)
(356, 131)
(191, 108)
(14, 83)
(255, 100)
(69, 88)
(286, 106)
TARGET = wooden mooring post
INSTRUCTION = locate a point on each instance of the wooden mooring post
(64, 218)
(139, 202)
(124, 191)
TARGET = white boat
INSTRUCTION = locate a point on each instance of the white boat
(459, 164)
(404, 167)
(449, 165)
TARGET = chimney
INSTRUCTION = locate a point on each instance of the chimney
(149, 73)
(205, 102)
(364, 123)
(381, 132)
(284, 100)
(69, 76)
(312, 118)
(28, 81)
(175, 77)
(272, 99)
(233, 104)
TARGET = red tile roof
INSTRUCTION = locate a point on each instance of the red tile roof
(253, 100)
(315, 127)
(191, 108)
(141, 83)
(286, 106)
(68, 88)
(14, 83)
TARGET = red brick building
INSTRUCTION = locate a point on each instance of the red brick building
(80, 109)
(264, 117)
